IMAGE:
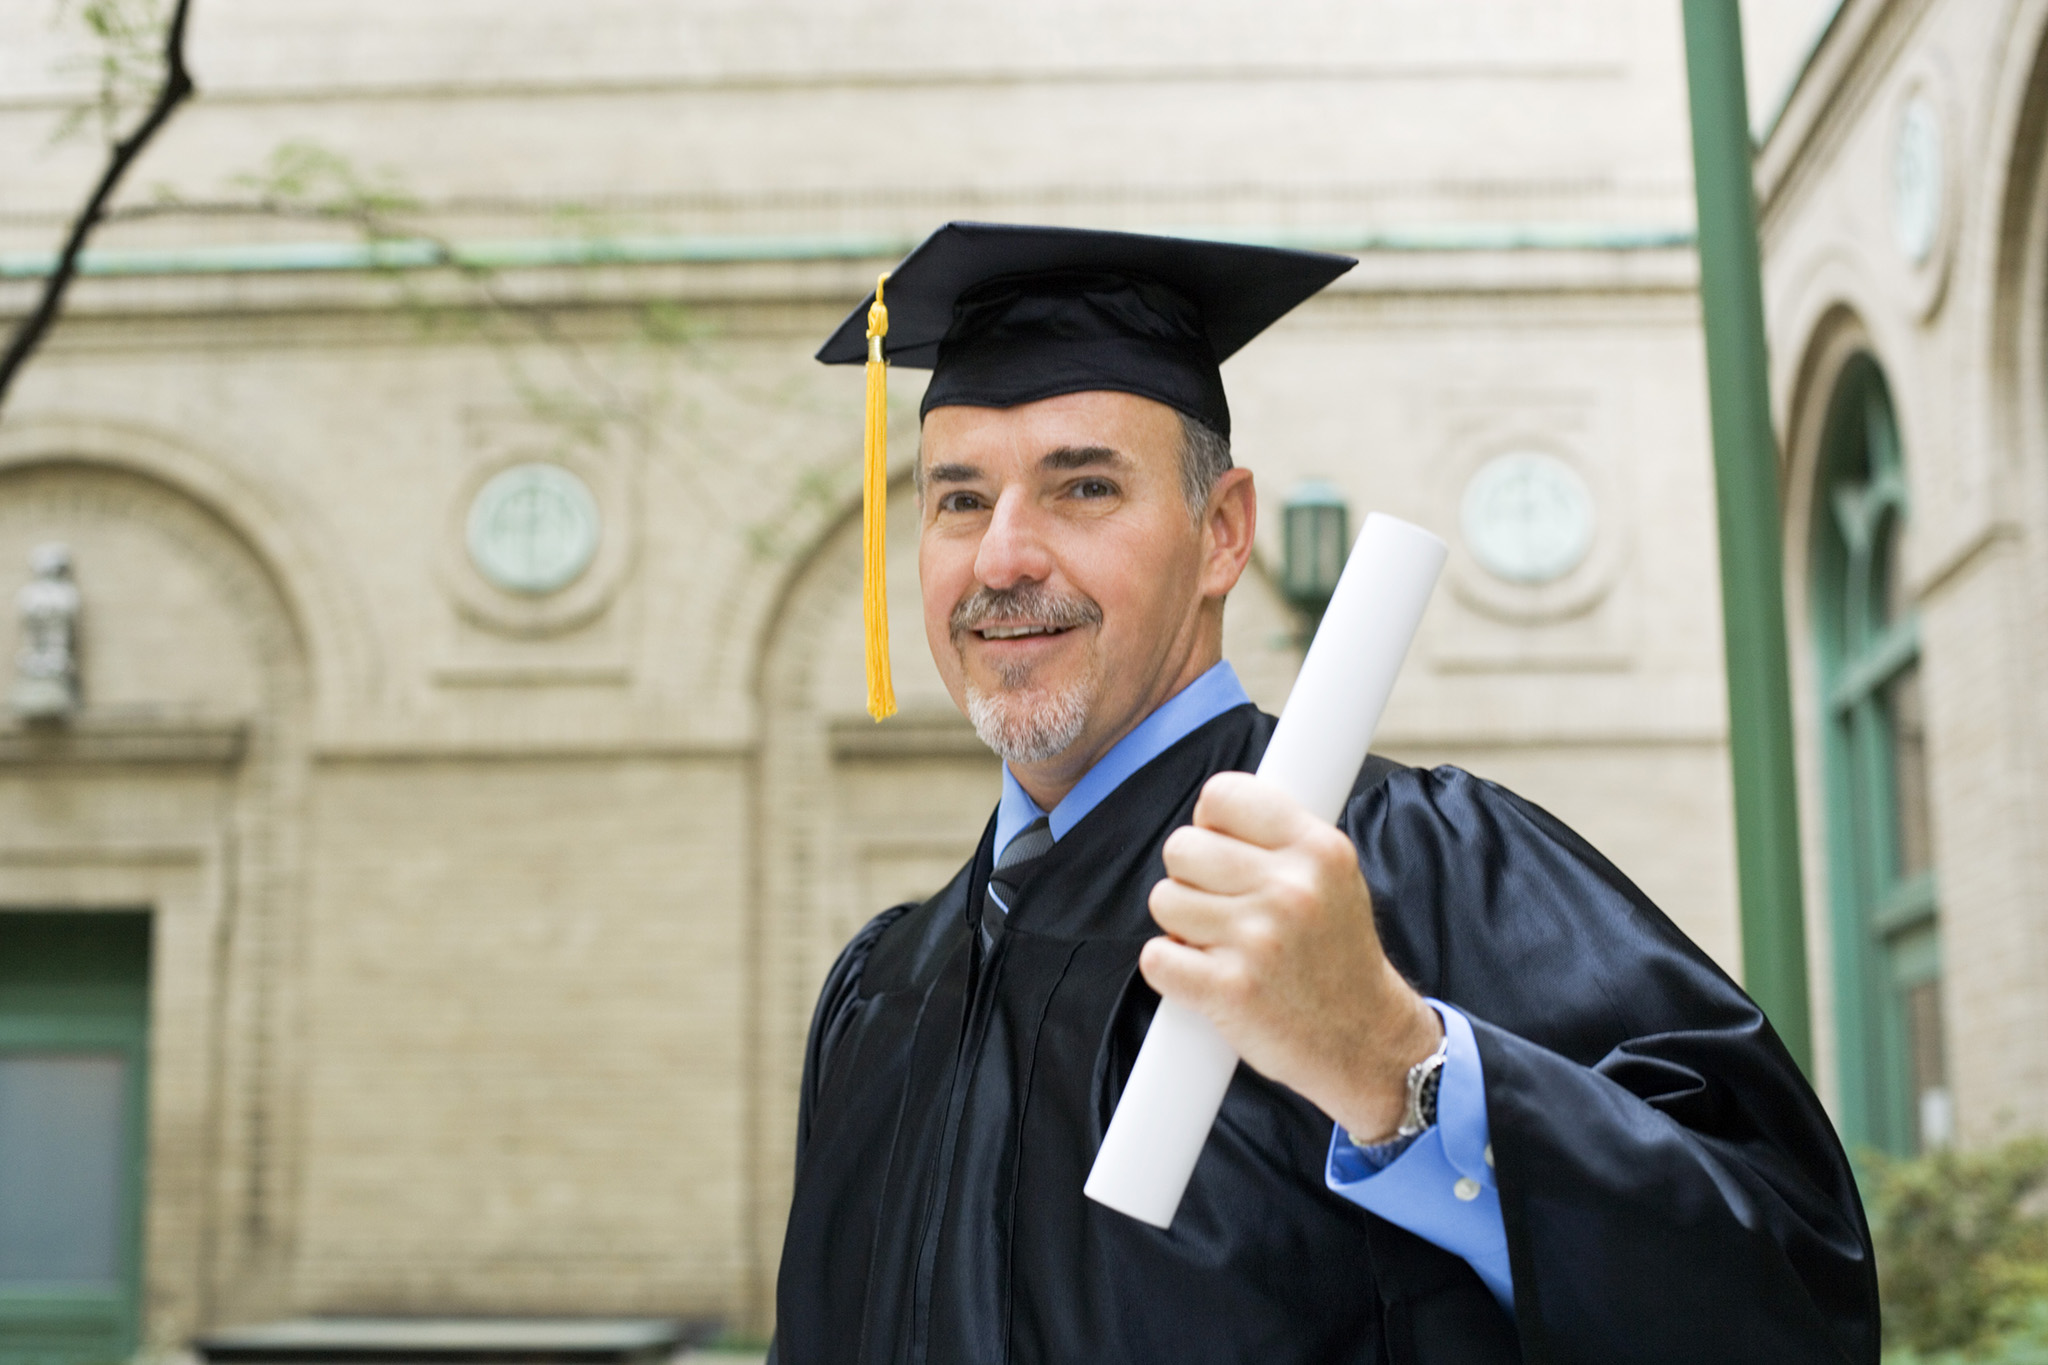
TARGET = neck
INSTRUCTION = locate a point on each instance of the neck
(1049, 782)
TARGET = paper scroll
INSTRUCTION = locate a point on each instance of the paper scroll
(1177, 1083)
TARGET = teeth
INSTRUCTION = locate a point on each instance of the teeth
(1013, 632)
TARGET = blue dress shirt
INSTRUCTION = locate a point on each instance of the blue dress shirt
(1441, 1186)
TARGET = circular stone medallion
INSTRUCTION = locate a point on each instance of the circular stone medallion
(1916, 180)
(533, 528)
(1527, 517)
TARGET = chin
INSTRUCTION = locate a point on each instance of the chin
(1029, 725)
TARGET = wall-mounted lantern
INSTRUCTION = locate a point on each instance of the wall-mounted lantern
(1317, 530)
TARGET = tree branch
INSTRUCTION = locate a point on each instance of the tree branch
(177, 87)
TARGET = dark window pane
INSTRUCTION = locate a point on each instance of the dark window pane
(61, 1158)
(1909, 772)
(1889, 590)
(1933, 1116)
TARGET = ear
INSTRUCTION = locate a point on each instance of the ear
(1229, 522)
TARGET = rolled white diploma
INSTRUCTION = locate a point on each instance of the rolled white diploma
(1182, 1070)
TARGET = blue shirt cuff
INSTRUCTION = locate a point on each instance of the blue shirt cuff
(1442, 1187)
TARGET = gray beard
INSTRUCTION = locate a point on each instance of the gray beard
(1022, 723)
(1025, 727)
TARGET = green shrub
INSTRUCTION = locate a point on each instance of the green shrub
(1962, 1254)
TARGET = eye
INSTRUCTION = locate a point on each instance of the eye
(1094, 488)
(961, 501)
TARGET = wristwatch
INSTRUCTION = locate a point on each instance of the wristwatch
(1423, 1079)
(1419, 1114)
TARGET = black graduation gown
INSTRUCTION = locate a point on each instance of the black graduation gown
(1671, 1189)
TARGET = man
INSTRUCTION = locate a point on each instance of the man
(1494, 1105)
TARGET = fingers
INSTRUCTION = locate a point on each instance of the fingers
(1188, 975)
(1242, 806)
(1194, 916)
(1221, 879)
(1211, 861)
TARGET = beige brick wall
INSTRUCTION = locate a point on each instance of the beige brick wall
(526, 1037)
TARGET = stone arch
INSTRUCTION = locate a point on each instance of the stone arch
(151, 678)
(1829, 343)
(1834, 289)
(180, 787)
(342, 663)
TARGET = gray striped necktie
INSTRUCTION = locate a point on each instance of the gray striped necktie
(1028, 847)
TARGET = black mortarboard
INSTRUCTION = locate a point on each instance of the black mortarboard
(1004, 315)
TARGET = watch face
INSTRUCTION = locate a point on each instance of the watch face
(1423, 1079)
(1527, 517)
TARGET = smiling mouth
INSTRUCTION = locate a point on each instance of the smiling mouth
(1018, 632)
(1028, 611)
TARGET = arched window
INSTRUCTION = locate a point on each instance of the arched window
(1887, 944)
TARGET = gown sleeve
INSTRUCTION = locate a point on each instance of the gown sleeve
(837, 999)
(1670, 1186)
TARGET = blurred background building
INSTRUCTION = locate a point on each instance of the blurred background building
(418, 905)
(1903, 193)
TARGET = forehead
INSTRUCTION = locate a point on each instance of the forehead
(1139, 429)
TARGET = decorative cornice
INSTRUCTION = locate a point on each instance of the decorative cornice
(1855, 53)
(1762, 133)
(978, 79)
(414, 254)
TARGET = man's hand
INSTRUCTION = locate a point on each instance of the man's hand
(1272, 938)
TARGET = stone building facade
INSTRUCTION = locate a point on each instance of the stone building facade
(470, 659)
(1904, 205)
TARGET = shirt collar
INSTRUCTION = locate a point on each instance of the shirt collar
(1186, 711)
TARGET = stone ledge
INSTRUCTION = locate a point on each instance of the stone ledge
(93, 740)
(526, 1341)
(907, 737)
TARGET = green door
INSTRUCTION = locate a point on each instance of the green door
(74, 1024)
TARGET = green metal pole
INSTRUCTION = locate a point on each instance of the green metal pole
(1746, 488)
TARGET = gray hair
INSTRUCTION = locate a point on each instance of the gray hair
(1204, 456)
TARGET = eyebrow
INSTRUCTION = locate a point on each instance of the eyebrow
(952, 473)
(1058, 459)
(1079, 457)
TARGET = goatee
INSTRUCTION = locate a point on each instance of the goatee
(1023, 724)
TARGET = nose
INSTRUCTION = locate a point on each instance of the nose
(1013, 548)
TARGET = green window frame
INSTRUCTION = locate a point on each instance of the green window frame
(1884, 893)
(75, 984)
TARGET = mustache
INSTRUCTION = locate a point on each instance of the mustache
(1031, 602)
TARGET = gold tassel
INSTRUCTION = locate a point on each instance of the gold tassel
(874, 515)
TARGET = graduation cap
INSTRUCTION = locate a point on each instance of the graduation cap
(1004, 315)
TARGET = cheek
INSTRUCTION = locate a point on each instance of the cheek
(1142, 577)
(943, 577)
